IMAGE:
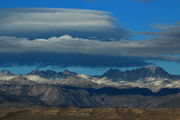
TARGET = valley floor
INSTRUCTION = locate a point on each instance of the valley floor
(39, 113)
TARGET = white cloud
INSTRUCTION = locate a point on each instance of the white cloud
(40, 22)
(68, 44)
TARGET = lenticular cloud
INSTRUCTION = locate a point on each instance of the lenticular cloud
(47, 22)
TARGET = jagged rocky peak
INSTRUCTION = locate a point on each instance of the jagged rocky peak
(51, 72)
(113, 70)
(5, 72)
(156, 71)
(44, 74)
(153, 68)
(38, 72)
(34, 72)
(67, 72)
(114, 74)
(136, 74)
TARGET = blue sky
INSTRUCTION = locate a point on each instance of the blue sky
(132, 14)
(137, 20)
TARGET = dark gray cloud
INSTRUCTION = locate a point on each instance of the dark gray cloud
(46, 22)
(55, 59)
(167, 40)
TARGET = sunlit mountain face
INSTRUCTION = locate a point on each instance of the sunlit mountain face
(100, 55)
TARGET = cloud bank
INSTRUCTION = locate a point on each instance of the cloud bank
(43, 59)
(164, 43)
(70, 37)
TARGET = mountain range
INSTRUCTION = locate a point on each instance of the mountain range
(136, 74)
(145, 87)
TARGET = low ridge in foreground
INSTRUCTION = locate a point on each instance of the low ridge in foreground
(90, 114)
